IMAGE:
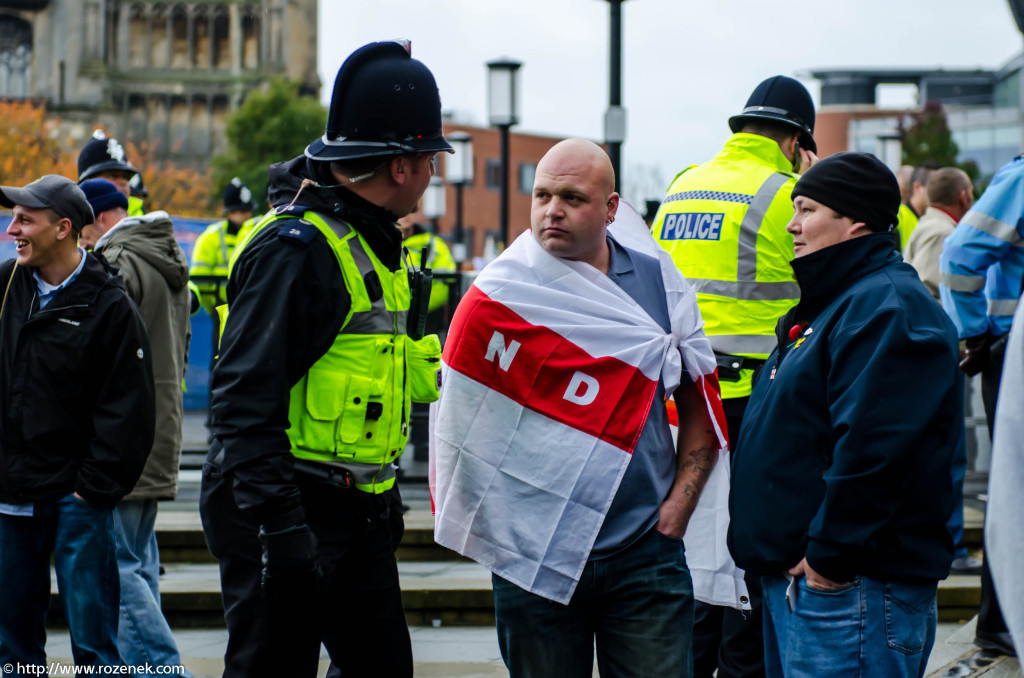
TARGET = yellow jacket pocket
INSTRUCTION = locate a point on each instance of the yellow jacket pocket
(423, 364)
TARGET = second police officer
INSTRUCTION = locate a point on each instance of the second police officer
(104, 158)
(312, 391)
(213, 248)
(724, 223)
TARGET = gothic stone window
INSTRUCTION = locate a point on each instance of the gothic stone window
(15, 57)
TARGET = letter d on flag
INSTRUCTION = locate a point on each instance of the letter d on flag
(591, 387)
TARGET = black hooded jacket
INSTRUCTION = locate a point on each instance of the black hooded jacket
(845, 453)
(76, 389)
(288, 302)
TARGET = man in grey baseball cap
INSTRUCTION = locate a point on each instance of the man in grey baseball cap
(76, 423)
(54, 192)
(49, 214)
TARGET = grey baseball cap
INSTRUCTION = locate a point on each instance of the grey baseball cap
(54, 192)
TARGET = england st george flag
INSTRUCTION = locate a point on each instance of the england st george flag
(548, 375)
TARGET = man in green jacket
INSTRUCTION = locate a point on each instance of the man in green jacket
(155, 272)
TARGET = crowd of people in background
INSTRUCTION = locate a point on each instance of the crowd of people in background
(728, 442)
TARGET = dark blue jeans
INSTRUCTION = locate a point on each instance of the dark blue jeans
(637, 603)
(79, 535)
(869, 628)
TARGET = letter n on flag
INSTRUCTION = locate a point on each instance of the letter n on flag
(539, 426)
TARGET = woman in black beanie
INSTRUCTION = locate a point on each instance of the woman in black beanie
(841, 477)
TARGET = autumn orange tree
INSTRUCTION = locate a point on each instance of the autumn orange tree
(176, 190)
(30, 146)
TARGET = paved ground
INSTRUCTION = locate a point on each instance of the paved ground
(438, 652)
(445, 651)
(472, 652)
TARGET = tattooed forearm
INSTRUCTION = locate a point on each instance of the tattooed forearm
(698, 464)
(696, 454)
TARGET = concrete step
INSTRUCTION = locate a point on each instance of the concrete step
(973, 520)
(447, 593)
(181, 539)
(959, 597)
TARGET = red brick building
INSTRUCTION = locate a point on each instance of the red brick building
(481, 199)
(831, 128)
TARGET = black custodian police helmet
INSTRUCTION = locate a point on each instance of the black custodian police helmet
(237, 196)
(783, 99)
(384, 103)
(101, 154)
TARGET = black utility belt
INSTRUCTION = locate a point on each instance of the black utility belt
(336, 475)
(729, 366)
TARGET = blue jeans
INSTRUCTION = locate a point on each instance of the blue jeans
(637, 603)
(143, 636)
(870, 627)
(78, 534)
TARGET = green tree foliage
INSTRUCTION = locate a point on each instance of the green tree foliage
(273, 124)
(928, 140)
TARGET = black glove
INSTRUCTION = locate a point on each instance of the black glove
(975, 354)
(289, 555)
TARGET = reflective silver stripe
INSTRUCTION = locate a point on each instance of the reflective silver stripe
(961, 283)
(747, 290)
(743, 344)
(378, 320)
(1002, 306)
(746, 264)
(991, 225)
(223, 232)
(365, 266)
(375, 322)
(362, 474)
(340, 228)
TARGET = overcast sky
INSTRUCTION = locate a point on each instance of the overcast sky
(687, 64)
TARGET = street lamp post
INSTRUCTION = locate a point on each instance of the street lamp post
(615, 116)
(503, 112)
(433, 202)
(458, 171)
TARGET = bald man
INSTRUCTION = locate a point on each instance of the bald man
(632, 593)
(950, 195)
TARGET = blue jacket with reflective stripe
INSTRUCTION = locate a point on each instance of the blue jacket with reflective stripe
(982, 263)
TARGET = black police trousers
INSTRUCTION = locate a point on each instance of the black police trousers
(727, 640)
(354, 607)
(991, 632)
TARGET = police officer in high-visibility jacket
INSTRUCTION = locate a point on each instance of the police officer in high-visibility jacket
(214, 246)
(104, 158)
(724, 223)
(314, 383)
(418, 240)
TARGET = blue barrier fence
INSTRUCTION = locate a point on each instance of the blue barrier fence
(197, 378)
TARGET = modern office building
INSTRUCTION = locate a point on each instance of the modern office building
(983, 109)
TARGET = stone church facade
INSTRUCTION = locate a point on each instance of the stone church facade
(163, 73)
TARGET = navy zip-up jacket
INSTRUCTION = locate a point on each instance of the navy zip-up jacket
(845, 451)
